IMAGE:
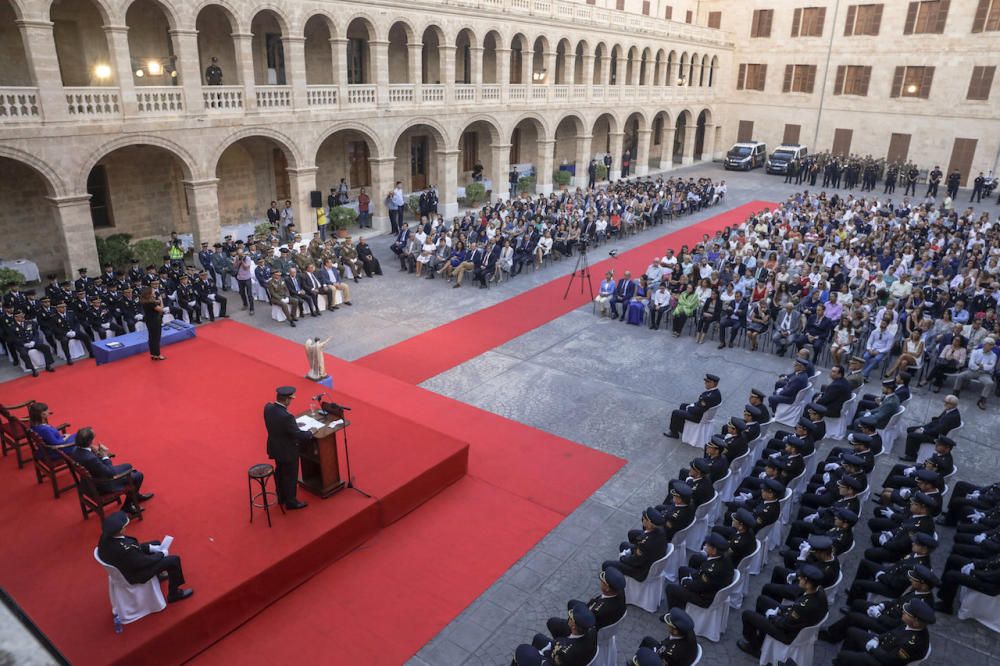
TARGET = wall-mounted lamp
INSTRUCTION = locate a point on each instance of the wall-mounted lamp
(912, 88)
(538, 76)
(102, 71)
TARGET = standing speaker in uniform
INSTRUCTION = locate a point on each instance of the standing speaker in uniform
(283, 440)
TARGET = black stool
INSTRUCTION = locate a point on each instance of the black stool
(262, 500)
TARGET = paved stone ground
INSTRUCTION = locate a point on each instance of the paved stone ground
(632, 378)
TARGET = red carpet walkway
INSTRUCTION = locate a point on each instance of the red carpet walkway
(468, 337)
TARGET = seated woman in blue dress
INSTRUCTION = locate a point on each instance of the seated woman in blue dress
(38, 419)
(637, 306)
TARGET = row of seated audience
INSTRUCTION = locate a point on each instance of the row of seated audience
(896, 566)
(503, 237)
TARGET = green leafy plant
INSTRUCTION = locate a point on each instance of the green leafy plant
(342, 217)
(602, 172)
(114, 250)
(526, 184)
(8, 278)
(413, 204)
(562, 178)
(262, 230)
(474, 193)
(149, 251)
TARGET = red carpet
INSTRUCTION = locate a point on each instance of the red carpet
(193, 426)
(468, 337)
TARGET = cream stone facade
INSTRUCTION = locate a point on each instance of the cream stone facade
(108, 121)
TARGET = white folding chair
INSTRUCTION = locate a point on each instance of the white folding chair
(76, 350)
(800, 650)
(277, 314)
(798, 484)
(37, 360)
(679, 555)
(764, 427)
(837, 428)
(698, 434)
(736, 473)
(711, 622)
(891, 431)
(790, 414)
(697, 530)
(833, 590)
(757, 559)
(774, 536)
(648, 594)
(697, 659)
(740, 591)
(132, 602)
(982, 608)
(926, 449)
(607, 643)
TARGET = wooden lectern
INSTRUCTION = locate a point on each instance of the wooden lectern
(318, 457)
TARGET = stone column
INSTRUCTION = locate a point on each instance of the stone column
(380, 66)
(500, 174)
(708, 145)
(588, 73)
(617, 148)
(476, 65)
(243, 44)
(295, 65)
(446, 64)
(40, 51)
(544, 166)
(606, 71)
(549, 63)
(687, 157)
(203, 204)
(338, 52)
(583, 143)
(667, 149)
(643, 145)
(121, 62)
(527, 66)
(383, 171)
(185, 42)
(503, 68)
(72, 218)
(416, 73)
(301, 182)
(569, 69)
(447, 182)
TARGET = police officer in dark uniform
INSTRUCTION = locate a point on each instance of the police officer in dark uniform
(643, 547)
(954, 180)
(23, 337)
(208, 294)
(891, 545)
(576, 649)
(977, 188)
(907, 643)
(283, 440)
(979, 574)
(841, 534)
(759, 400)
(677, 509)
(884, 615)
(818, 521)
(64, 327)
(784, 622)
(679, 648)
(709, 398)
(740, 533)
(735, 439)
(890, 579)
(205, 256)
(822, 488)
(890, 179)
(608, 607)
(82, 283)
(818, 551)
(933, 180)
(699, 481)
(188, 300)
(698, 585)
(137, 562)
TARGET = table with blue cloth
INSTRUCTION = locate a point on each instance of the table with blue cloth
(138, 342)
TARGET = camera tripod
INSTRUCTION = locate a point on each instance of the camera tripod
(582, 270)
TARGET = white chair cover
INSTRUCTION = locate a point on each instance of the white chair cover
(679, 557)
(216, 308)
(774, 536)
(132, 602)
(607, 643)
(736, 597)
(37, 360)
(698, 434)
(834, 590)
(980, 607)
(732, 481)
(76, 350)
(926, 450)
(648, 594)
(891, 431)
(711, 622)
(799, 650)
(277, 314)
(759, 556)
(790, 414)
(697, 659)
(837, 428)
(697, 530)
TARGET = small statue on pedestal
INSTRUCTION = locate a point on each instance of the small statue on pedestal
(314, 353)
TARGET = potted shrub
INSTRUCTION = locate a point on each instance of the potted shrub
(115, 250)
(602, 172)
(526, 184)
(475, 193)
(149, 251)
(562, 178)
(342, 217)
(8, 278)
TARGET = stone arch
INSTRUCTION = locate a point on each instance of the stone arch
(601, 129)
(645, 62)
(92, 65)
(492, 42)
(216, 22)
(659, 63)
(366, 21)
(168, 11)
(474, 143)
(401, 36)
(287, 145)
(270, 64)
(54, 183)
(319, 28)
(359, 57)
(104, 8)
(682, 68)
(631, 65)
(351, 125)
(279, 15)
(187, 161)
(635, 123)
(693, 69)
(346, 157)
(616, 70)
(579, 122)
(15, 6)
(149, 42)
(713, 68)
(16, 70)
(493, 125)
(670, 75)
(418, 147)
(539, 122)
(441, 134)
(432, 39)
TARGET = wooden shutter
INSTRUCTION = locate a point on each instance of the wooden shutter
(875, 22)
(962, 154)
(745, 131)
(786, 85)
(940, 16)
(741, 77)
(715, 20)
(820, 21)
(925, 84)
(897, 82)
(810, 78)
(911, 18)
(669, 13)
(766, 18)
(866, 77)
(755, 23)
(981, 82)
(620, 5)
(796, 21)
(761, 76)
(849, 23)
(791, 136)
(645, 7)
(838, 83)
(842, 141)
(979, 22)
(899, 148)
(689, 16)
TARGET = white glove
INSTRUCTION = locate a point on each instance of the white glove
(105, 326)
(905, 492)
(885, 513)
(979, 538)
(804, 547)
(285, 301)
(976, 516)
(138, 317)
(967, 569)
(909, 471)
(770, 612)
(743, 497)
(875, 611)
(811, 517)
(775, 455)
(829, 467)
(826, 477)
(627, 551)
(686, 578)
(871, 645)
(974, 495)
(191, 303)
(762, 475)
(29, 345)
(70, 334)
(879, 574)
(790, 578)
(882, 538)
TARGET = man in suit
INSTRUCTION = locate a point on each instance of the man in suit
(942, 424)
(855, 372)
(329, 277)
(710, 397)
(608, 607)
(298, 294)
(400, 245)
(624, 291)
(138, 562)
(108, 477)
(487, 263)
(787, 326)
(734, 317)
(816, 332)
(781, 622)
(835, 394)
(786, 392)
(283, 440)
(888, 405)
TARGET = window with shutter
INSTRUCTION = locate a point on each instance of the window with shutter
(745, 131)
(620, 5)
(897, 82)
(669, 13)
(987, 18)
(838, 84)
(689, 16)
(741, 77)
(796, 21)
(760, 26)
(791, 136)
(926, 17)
(786, 85)
(715, 20)
(849, 22)
(645, 7)
(863, 20)
(981, 82)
